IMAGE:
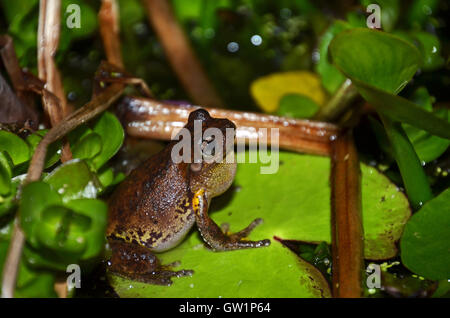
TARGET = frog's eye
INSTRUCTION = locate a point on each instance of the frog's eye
(196, 166)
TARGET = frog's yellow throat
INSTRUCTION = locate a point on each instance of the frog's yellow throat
(197, 200)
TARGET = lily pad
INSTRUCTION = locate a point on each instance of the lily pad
(291, 210)
(268, 90)
(251, 276)
(425, 244)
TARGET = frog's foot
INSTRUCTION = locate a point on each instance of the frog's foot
(221, 239)
(137, 263)
(239, 239)
(218, 239)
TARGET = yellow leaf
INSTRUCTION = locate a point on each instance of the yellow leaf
(268, 90)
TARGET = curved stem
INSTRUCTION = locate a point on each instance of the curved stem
(180, 54)
(338, 103)
(414, 177)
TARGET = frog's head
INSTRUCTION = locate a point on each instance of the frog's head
(213, 165)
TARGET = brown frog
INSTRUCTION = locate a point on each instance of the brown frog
(154, 208)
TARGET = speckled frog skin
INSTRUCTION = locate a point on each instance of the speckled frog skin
(154, 208)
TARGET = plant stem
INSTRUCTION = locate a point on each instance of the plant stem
(148, 118)
(346, 218)
(414, 177)
(180, 54)
(108, 17)
(338, 103)
(47, 45)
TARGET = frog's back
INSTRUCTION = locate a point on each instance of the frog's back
(151, 206)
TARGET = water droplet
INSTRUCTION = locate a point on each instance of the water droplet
(256, 40)
(233, 47)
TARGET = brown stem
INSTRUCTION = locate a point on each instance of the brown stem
(48, 39)
(109, 29)
(9, 57)
(180, 54)
(97, 105)
(149, 118)
(346, 219)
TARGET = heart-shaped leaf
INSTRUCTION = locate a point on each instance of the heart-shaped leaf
(376, 58)
(381, 73)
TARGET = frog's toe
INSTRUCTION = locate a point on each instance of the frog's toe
(241, 235)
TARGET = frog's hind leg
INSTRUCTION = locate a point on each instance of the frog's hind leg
(136, 262)
(219, 239)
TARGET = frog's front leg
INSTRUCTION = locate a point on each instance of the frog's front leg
(214, 236)
(136, 262)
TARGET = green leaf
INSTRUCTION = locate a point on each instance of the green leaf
(425, 243)
(430, 47)
(297, 210)
(297, 106)
(15, 146)
(110, 130)
(63, 229)
(329, 74)
(352, 52)
(9, 201)
(427, 146)
(6, 166)
(74, 180)
(23, 22)
(388, 67)
(420, 12)
(97, 212)
(404, 111)
(60, 233)
(36, 196)
(88, 147)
